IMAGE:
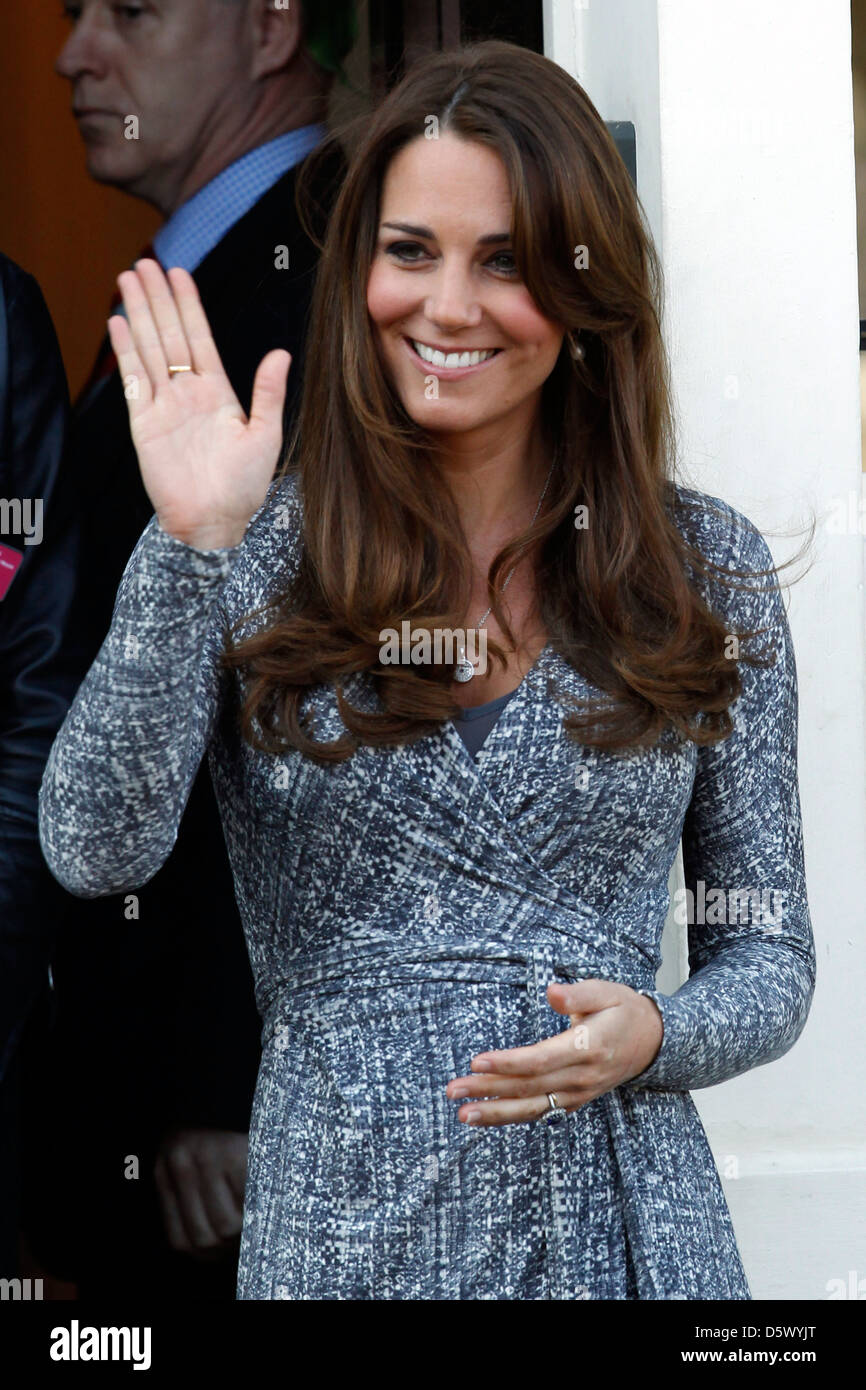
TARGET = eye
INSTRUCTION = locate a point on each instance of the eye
(509, 268)
(400, 249)
(129, 11)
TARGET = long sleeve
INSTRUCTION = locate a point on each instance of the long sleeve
(751, 949)
(37, 681)
(121, 769)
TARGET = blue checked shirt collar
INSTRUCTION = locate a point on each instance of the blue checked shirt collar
(202, 221)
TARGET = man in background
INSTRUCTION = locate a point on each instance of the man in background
(140, 1100)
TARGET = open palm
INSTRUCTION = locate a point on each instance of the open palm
(205, 465)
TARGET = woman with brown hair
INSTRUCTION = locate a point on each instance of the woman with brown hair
(470, 1086)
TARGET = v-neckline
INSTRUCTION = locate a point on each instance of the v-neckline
(452, 737)
(473, 770)
(470, 712)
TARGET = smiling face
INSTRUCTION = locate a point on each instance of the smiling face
(446, 299)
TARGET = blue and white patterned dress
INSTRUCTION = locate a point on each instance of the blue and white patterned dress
(406, 909)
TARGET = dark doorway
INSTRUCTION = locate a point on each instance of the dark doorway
(402, 32)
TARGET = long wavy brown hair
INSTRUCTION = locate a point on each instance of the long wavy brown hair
(382, 539)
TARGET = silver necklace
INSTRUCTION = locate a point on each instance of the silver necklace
(465, 669)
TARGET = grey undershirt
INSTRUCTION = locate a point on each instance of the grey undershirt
(473, 725)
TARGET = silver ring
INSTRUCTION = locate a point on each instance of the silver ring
(555, 1113)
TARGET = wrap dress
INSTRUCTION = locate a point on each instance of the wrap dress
(406, 909)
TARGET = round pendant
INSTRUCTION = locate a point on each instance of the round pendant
(464, 670)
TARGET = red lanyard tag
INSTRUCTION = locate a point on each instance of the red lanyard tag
(10, 559)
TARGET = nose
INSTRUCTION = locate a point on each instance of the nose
(451, 300)
(82, 52)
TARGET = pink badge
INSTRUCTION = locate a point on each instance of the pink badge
(9, 561)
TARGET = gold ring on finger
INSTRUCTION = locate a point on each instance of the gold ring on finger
(173, 370)
(554, 1113)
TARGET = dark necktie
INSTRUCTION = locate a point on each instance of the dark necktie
(106, 362)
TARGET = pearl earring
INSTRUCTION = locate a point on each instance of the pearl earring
(575, 346)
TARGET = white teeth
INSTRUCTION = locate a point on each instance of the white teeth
(452, 359)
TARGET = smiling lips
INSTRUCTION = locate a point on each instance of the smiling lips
(437, 357)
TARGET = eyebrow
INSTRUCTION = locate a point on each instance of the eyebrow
(492, 238)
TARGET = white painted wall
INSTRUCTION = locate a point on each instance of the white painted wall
(745, 153)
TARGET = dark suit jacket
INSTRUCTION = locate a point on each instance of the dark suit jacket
(156, 1015)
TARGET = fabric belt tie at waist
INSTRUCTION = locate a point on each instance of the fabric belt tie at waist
(567, 958)
(544, 969)
(534, 967)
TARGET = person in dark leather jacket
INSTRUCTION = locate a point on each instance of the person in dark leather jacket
(39, 540)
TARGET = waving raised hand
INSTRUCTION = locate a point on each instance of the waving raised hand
(205, 465)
